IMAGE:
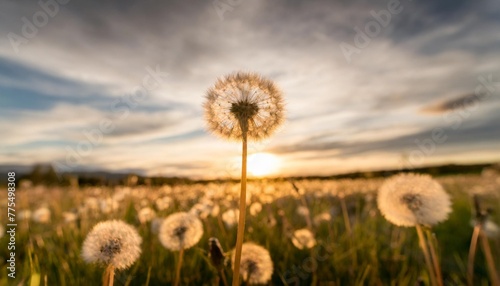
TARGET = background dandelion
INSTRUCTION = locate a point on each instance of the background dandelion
(180, 231)
(416, 200)
(411, 199)
(256, 264)
(303, 238)
(114, 244)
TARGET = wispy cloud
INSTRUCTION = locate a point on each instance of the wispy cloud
(67, 78)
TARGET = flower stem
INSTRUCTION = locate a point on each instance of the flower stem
(431, 240)
(178, 270)
(243, 200)
(109, 276)
(223, 276)
(489, 259)
(472, 255)
(423, 245)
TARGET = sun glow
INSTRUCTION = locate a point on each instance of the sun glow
(263, 164)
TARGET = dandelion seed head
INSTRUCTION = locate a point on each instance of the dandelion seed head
(70, 217)
(146, 214)
(303, 211)
(41, 215)
(163, 203)
(244, 100)
(231, 217)
(303, 238)
(411, 199)
(215, 252)
(255, 208)
(256, 266)
(112, 243)
(180, 231)
(322, 217)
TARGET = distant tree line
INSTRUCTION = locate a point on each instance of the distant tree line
(46, 175)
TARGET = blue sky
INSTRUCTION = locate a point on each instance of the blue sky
(423, 88)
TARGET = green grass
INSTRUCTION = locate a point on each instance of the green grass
(376, 253)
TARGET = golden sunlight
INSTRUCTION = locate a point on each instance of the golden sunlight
(263, 164)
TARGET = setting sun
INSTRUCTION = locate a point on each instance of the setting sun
(263, 164)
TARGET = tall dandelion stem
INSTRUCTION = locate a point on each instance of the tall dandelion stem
(178, 270)
(423, 245)
(489, 258)
(435, 260)
(243, 201)
(472, 255)
(109, 276)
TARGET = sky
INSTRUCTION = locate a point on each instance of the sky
(368, 85)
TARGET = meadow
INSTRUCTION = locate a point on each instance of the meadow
(353, 243)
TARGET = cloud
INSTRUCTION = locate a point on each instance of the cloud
(459, 102)
(66, 79)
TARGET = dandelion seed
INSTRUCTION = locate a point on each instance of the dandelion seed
(244, 98)
(163, 203)
(203, 210)
(230, 217)
(24, 215)
(303, 238)
(303, 211)
(41, 215)
(255, 208)
(270, 221)
(70, 217)
(145, 215)
(108, 206)
(180, 231)
(112, 243)
(256, 265)
(322, 217)
(412, 199)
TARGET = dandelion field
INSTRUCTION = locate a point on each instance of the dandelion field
(353, 243)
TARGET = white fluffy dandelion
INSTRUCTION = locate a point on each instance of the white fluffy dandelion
(112, 243)
(413, 199)
(180, 231)
(416, 200)
(230, 217)
(244, 99)
(70, 217)
(41, 215)
(163, 203)
(243, 107)
(256, 266)
(146, 214)
(322, 217)
(303, 211)
(255, 208)
(303, 238)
